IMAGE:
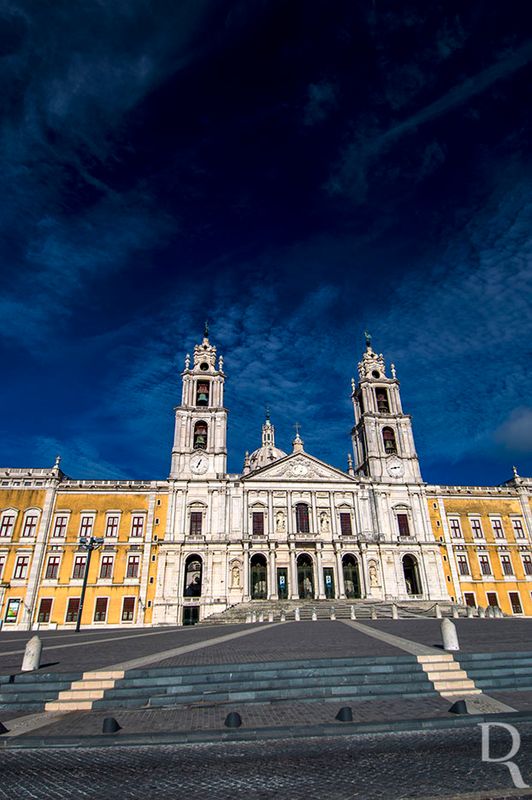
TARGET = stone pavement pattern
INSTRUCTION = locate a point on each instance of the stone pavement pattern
(440, 764)
(474, 635)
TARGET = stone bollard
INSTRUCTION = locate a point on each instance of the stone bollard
(32, 655)
(353, 615)
(248, 618)
(481, 612)
(489, 612)
(449, 635)
(333, 614)
(297, 615)
(253, 616)
(314, 615)
(498, 612)
(470, 612)
(261, 617)
(395, 614)
(437, 611)
(373, 613)
(283, 616)
(455, 613)
(270, 616)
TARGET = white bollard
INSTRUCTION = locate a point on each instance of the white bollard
(32, 655)
(270, 616)
(449, 635)
(498, 612)
(248, 618)
(253, 616)
(437, 611)
(395, 614)
(490, 612)
(333, 614)
(373, 613)
(481, 612)
(470, 612)
(314, 615)
(283, 616)
(297, 615)
(353, 615)
(455, 613)
(261, 617)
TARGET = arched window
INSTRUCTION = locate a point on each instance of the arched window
(411, 575)
(258, 574)
(193, 575)
(383, 406)
(302, 521)
(202, 393)
(200, 435)
(388, 437)
(351, 576)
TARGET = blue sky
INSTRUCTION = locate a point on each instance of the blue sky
(295, 172)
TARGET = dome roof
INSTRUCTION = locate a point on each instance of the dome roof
(265, 455)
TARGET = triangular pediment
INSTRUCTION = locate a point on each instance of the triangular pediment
(298, 467)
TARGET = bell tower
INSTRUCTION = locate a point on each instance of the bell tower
(200, 438)
(383, 442)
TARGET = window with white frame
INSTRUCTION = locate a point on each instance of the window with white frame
(7, 524)
(30, 523)
(517, 525)
(506, 564)
(498, 530)
(133, 565)
(79, 567)
(346, 527)
(463, 564)
(106, 567)
(257, 518)
(476, 527)
(137, 525)
(128, 609)
(52, 568)
(3, 559)
(527, 564)
(111, 527)
(21, 567)
(485, 566)
(402, 524)
(100, 609)
(87, 525)
(454, 527)
(60, 526)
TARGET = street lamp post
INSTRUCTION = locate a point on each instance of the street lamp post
(88, 543)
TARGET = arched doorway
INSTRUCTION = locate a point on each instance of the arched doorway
(305, 577)
(193, 576)
(411, 573)
(351, 577)
(258, 577)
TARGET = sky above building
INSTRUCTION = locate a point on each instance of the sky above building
(294, 171)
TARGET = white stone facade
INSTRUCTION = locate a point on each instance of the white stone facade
(291, 526)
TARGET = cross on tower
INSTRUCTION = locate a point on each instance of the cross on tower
(297, 426)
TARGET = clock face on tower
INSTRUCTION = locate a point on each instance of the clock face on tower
(394, 468)
(199, 463)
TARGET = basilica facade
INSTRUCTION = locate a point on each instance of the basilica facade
(288, 527)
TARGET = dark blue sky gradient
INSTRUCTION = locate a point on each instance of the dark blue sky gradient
(295, 172)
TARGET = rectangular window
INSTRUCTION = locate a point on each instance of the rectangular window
(30, 525)
(112, 526)
(79, 566)
(346, 528)
(72, 609)
(106, 567)
(527, 565)
(402, 522)
(492, 599)
(302, 520)
(476, 528)
(498, 532)
(515, 601)
(128, 609)
(52, 567)
(258, 523)
(470, 599)
(86, 526)
(60, 526)
(44, 610)
(506, 565)
(100, 609)
(133, 564)
(2, 564)
(21, 567)
(137, 526)
(454, 527)
(485, 566)
(13, 606)
(7, 525)
(196, 518)
(463, 564)
(517, 525)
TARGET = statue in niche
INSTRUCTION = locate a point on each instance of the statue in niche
(373, 575)
(280, 522)
(235, 576)
(324, 522)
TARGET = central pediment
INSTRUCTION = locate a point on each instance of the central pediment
(298, 467)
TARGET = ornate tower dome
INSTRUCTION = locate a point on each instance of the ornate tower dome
(268, 452)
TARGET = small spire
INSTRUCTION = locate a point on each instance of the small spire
(350, 469)
(394, 374)
(515, 472)
(206, 329)
(58, 461)
(367, 336)
(267, 413)
(298, 441)
(247, 463)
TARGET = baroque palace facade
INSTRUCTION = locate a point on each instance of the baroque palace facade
(288, 527)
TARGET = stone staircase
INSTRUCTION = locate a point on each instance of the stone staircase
(504, 671)
(81, 694)
(447, 676)
(342, 609)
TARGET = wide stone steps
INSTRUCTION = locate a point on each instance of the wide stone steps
(447, 676)
(510, 670)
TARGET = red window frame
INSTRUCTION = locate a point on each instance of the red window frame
(346, 526)
(302, 518)
(30, 525)
(100, 609)
(403, 524)
(7, 525)
(258, 523)
(52, 567)
(128, 609)
(133, 565)
(60, 526)
(45, 609)
(463, 565)
(476, 528)
(519, 531)
(79, 567)
(72, 609)
(87, 524)
(112, 525)
(106, 567)
(21, 566)
(455, 528)
(196, 523)
(506, 564)
(498, 530)
(137, 525)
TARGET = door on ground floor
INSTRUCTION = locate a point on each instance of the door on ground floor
(351, 577)
(190, 615)
(328, 581)
(282, 583)
(470, 600)
(258, 573)
(515, 601)
(411, 573)
(492, 599)
(305, 577)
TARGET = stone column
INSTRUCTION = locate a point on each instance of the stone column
(340, 586)
(319, 567)
(272, 573)
(294, 594)
(245, 569)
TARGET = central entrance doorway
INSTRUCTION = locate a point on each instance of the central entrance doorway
(258, 573)
(190, 615)
(305, 577)
(351, 577)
